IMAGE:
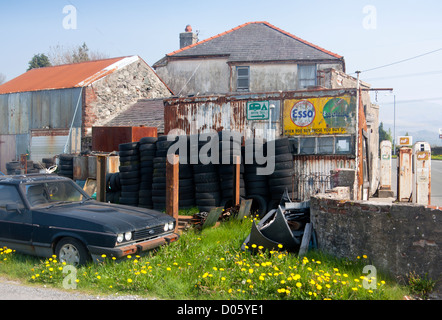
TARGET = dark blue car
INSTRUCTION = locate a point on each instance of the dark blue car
(47, 214)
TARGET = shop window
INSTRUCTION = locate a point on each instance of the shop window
(307, 146)
(326, 145)
(343, 145)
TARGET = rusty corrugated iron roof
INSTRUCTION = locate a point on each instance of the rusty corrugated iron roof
(65, 76)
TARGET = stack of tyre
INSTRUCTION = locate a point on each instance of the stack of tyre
(14, 167)
(186, 187)
(206, 181)
(228, 150)
(113, 187)
(66, 165)
(48, 162)
(257, 187)
(147, 149)
(159, 173)
(282, 177)
(129, 173)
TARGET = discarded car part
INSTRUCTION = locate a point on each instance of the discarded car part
(260, 240)
(305, 239)
(212, 217)
(279, 231)
(244, 209)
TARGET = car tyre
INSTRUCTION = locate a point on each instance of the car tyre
(72, 251)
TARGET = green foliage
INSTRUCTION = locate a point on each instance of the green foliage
(384, 135)
(81, 54)
(39, 61)
(209, 264)
(420, 286)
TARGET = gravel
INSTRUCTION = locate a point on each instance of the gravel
(15, 290)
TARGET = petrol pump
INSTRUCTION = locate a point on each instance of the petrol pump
(422, 173)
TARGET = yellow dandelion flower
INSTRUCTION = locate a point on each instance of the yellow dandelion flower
(129, 280)
(299, 284)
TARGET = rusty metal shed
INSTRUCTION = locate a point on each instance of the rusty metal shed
(334, 137)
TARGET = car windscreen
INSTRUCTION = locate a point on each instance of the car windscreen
(46, 193)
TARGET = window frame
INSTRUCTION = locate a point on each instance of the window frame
(242, 77)
(301, 143)
(301, 81)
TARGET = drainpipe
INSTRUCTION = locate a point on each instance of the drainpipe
(357, 139)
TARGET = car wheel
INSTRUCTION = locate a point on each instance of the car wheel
(71, 251)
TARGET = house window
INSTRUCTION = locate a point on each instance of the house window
(306, 76)
(243, 78)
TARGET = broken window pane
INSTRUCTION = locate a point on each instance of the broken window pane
(307, 145)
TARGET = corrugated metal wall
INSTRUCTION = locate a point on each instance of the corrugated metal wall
(199, 114)
(220, 114)
(24, 111)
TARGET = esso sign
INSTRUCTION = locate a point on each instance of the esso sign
(303, 113)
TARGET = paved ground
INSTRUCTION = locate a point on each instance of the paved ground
(436, 180)
(15, 290)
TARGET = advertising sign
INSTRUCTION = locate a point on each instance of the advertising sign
(404, 141)
(320, 116)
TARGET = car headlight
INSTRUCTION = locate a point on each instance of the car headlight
(128, 236)
(168, 226)
(120, 237)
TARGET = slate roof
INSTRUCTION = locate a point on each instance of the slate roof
(145, 112)
(255, 41)
(65, 76)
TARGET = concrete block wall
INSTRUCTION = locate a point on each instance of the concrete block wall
(397, 238)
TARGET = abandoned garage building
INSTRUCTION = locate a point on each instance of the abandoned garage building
(218, 81)
(48, 111)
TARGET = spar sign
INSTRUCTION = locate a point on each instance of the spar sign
(320, 116)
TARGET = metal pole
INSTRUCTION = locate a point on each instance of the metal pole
(394, 125)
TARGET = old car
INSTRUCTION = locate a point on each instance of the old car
(46, 214)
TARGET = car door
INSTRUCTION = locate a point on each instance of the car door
(15, 219)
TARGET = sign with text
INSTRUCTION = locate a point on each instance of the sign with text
(404, 141)
(257, 110)
(320, 116)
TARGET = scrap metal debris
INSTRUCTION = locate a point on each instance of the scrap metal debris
(282, 228)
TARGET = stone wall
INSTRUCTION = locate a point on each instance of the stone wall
(113, 94)
(397, 238)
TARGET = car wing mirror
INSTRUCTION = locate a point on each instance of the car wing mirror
(13, 207)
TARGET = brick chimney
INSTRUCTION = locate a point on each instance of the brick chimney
(188, 37)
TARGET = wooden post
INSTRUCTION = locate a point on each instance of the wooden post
(24, 163)
(172, 187)
(236, 180)
(101, 178)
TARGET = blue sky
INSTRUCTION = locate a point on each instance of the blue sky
(151, 29)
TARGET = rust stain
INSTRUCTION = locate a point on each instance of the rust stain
(59, 77)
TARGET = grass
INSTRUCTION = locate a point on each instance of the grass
(209, 264)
